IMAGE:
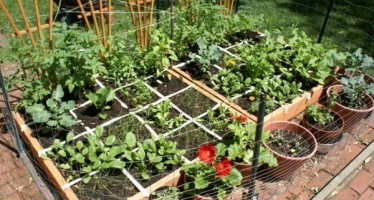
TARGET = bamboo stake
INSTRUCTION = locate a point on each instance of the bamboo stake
(145, 22)
(133, 18)
(151, 18)
(94, 18)
(102, 23)
(19, 2)
(10, 19)
(110, 18)
(84, 14)
(38, 23)
(50, 39)
(140, 23)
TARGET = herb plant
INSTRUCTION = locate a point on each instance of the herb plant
(56, 112)
(155, 156)
(160, 115)
(100, 99)
(138, 93)
(168, 193)
(319, 115)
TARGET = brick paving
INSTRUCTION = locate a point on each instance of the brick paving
(15, 179)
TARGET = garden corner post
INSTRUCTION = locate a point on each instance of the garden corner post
(256, 152)
(325, 21)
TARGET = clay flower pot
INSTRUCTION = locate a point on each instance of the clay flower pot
(351, 116)
(235, 194)
(325, 135)
(288, 166)
(245, 169)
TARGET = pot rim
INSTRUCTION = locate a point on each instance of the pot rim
(311, 154)
(348, 108)
(340, 129)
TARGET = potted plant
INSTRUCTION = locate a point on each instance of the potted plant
(212, 176)
(166, 193)
(354, 64)
(325, 124)
(239, 144)
(352, 99)
(291, 144)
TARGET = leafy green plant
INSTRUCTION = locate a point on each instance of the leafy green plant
(358, 61)
(168, 193)
(353, 89)
(56, 112)
(240, 144)
(230, 82)
(156, 57)
(121, 62)
(212, 171)
(318, 115)
(160, 116)
(82, 158)
(208, 55)
(100, 99)
(154, 156)
(138, 93)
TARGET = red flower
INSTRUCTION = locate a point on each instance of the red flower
(207, 153)
(242, 118)
(223, 168)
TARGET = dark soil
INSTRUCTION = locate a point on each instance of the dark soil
(169, 86)
(334, 125)
(89, 114)
(156, 127)
(360, 104)
(245, 103)
(192, 102)
(127, 100)
(128, 124)
(244, 35)
(193, 70)
(191, 138)
(105, 187)
(283, 141)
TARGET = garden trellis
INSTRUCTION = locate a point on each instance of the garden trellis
(210, 96)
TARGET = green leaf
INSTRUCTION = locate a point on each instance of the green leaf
(87, 169)
(130, 139)
(145, 176)
(103, 115)
(58, 93)
(220, 149)
(69, 137)
(80, 145)
(66, 121)
(110, 95)
(110, 140)
(35, 108)
(52, 104)
(86, 179)
(41, 117)
(52, 123)
(80, 158)
(62, 153)
(99, 130)
(118, 164)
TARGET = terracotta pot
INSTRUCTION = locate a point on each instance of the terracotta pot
(325, 147)
(341, 71)
(321, 134)
(288, 166)
(351, 116)
(235, 194)
(245, 169)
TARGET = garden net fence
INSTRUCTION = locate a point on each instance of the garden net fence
(199, 119)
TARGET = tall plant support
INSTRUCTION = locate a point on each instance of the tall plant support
(39, 26)
(327, 16)
(183, 3)
(101, 31)
(29, 31)
(228, 6)
(142, 19)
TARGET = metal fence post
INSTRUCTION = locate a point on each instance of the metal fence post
(256, 151)
(325, 21)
